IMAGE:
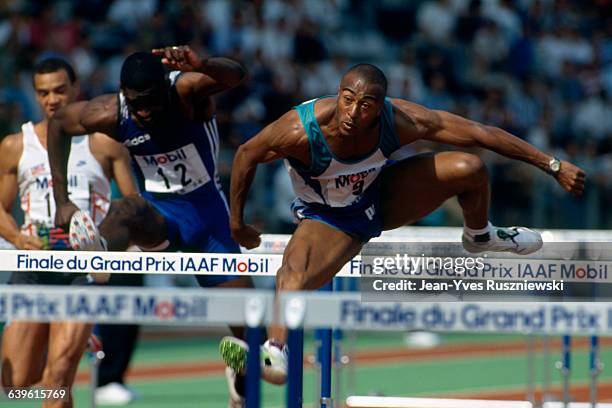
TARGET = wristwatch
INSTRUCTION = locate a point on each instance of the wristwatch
(554, 165)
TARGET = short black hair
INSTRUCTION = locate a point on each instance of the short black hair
(142, 71)
(371, 73)
(54, 64)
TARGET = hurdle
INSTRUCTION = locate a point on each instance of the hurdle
(299, 311)
(575, 405)
(396, 402)
(95, 359)
(346, 311)
(272, 262)
(198, 307)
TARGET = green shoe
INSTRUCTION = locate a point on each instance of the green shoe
(234, 352)
(273, 360)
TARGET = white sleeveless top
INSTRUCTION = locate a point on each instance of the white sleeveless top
(88, 186)
(334, 182)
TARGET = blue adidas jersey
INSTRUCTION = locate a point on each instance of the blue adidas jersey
(176, 161)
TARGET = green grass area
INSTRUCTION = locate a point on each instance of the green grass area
(436, 378)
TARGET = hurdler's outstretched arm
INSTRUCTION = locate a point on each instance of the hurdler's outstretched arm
(283, 138)
(417, 122)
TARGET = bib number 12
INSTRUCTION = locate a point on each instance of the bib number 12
(180, 167)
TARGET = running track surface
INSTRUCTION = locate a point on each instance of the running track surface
(186, 372)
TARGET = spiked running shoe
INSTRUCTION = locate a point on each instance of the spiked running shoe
(273, 359)
(84, 236)
(518, 240)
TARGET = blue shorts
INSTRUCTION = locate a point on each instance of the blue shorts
(197, 227)
(360, 220)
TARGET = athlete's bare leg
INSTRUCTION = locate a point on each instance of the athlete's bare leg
(315, 253)
(67, 343)
(416, 186)
(24, 345)
(410, 190)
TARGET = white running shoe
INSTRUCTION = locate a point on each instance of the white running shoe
(422, 339)
(236, 400)
(518, 240)
(274, 363)
(84, 236)
(273, 359)
(115, 394)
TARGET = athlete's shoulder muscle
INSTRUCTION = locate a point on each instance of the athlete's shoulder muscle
(11, 149)
(282, 138)
(288, 136)
(412, 121)
(101, 114)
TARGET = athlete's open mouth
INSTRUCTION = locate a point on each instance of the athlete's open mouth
(348, 125)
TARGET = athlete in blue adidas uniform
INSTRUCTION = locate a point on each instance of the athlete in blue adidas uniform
(338, 152)
(168, 125)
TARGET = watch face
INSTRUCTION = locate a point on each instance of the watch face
(555, 165)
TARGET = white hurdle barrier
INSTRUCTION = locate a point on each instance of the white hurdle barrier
(397, 402)
(185, 309)
(575, 405)
(516, 269)
(220, 307)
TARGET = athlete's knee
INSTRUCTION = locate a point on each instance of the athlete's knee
(471, 168)
(289, 278)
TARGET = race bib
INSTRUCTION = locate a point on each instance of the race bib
(180, 171)
(40, 205)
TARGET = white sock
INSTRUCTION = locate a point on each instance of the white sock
(471, 233)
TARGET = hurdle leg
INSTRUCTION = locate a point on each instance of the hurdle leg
(338, 361)
(317, 365)
(337, 355)
(566, 369)
(351, 342)
(295, 378)
(95, 359)
(546, 369)
(595, 367)
(253, 375)
(531, 368)
(326, 361)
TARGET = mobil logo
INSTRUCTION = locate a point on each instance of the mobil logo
(248, 265)
(164, 158)
(171, 308)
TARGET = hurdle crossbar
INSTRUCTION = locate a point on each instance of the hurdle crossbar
(397, 402)
(516, 269)
(575, 405)
(220, 307)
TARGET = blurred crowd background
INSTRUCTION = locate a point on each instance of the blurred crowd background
(541, 69)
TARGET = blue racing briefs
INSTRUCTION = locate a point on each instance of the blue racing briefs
(202, 228)
(361, 220)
